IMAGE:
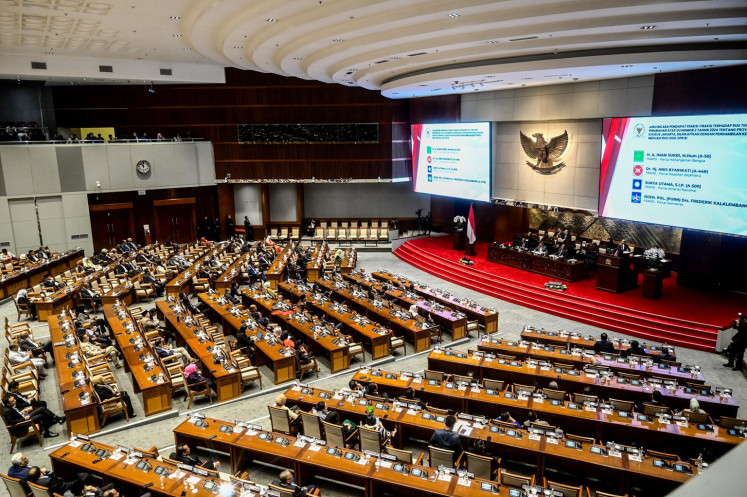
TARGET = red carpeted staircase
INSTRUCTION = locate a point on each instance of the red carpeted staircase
(683, 317)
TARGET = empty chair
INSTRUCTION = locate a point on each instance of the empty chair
(440, 457)
(404, 456)
(37, 490)
(355, 349)
(458, 378)
(515, 481)
(496, 385)
(280, 421)
(198, 389)
(651, 410)
(591, 493)
(580, 439)
(727, 422)
(554, 394)
(312, 425)
(565, 490)
(697, 417)
(396, 342)
(371, 439)
(14, 486)
(434, 375)
(481, 466)
(524, 389)
(653, 454)
(622, 405)
(580, 398)
(249, 373)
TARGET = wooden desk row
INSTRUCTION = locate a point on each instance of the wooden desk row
(331, 344)
(485, 316)
(419, 334)
(378, 338)
(64, 298)
(585, 421)
(564, 338)
(189, 334)
(182, 283)
(276, 272)
(283, 362)
(315, 267)
(148, 376)
(28, 276)
(525, 350)
(574, 381)
(541, 264)
(540, 451)
(78, 400)
(233, 272)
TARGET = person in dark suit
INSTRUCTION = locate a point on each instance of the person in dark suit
(106, 392)
(634, 349)
(57, 485)
(184, 454)
(31, 406)
(248, 229)
(623, 248)
(37, 349)
(87, 293)
(562, 251)
(738, 344)
(445, 438)
(657, 399)
(541, 249)
(286, 480)
(14, 415)
(50, 282)
(323, 411)
(229, 297)
(603, 345)
(564, 236)
(524, 245)
(22, 297)
(157, 285)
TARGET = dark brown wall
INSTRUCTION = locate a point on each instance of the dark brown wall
(206, 204)
(213, 112)
(707, 91)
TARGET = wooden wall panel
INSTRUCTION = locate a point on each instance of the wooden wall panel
(206, 204)
(213, 112)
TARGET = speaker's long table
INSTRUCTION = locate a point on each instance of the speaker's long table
(554, 268)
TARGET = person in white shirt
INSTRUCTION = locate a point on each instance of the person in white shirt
(17, 356)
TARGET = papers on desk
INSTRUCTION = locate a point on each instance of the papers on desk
(177, 474)
(635, 458)
(465, 482)
(544, 368)
(131, 460)
(315, 448)
(412, 412)
(299, 443)
(462, 388)
(534, 436)
(552, 440)
(238, 429)
(386, 464)
(608, 411)
(444, 477)
(682, 424)
(417, 380)
(296, 388)
(116, 456)
(75, 443)
(362, 461)
(193, 480)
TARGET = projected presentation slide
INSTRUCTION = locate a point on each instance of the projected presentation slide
(686, 171)
(452, 160)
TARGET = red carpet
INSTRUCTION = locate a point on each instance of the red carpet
(683, 316)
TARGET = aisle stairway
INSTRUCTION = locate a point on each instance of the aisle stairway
(647, 326)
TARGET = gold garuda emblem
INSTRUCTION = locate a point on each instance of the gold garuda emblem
(545, 153)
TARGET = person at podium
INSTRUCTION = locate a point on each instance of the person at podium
(541, 249)
(623, 248)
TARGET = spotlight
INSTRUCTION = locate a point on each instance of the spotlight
(152, 90)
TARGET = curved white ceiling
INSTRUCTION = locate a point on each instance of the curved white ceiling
(402, 48)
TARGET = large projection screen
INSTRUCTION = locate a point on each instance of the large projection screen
(452, 160)
(685, 171)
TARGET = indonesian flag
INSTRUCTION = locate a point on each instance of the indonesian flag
(471, 226)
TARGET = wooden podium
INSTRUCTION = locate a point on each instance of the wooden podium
(614, 274)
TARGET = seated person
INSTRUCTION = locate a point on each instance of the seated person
(50, 282)
(533, 419)
(14, 415)
(36, 349)
(184, 454)
(410, 397)
(148, 278)
(244, 339)
(562, 251)
(323, 412)
(288, 341)
(634, 349)
(286, 481)
(165, 350)
(90, 349)
(292, 412)
(524, 245)
(356, 386)
(478, 448)
(304, 355)
(666, 355)
(374, 423)
(446, 438)
(254, 313)
(87, 293)
(603, 345)
(193, 376)
(657, 399)
(19, 467)
(59, 486)
(505, 417)
(18, 357)
(22, 297)
(106, 392)
(540, 249)
(229, 297)
(30, 405)
(623, 248)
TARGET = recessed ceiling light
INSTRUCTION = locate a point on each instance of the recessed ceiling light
(338, 40)
(395, 58)
(650, 26)
(297, 58)
(175, 18)
(453, 15)
(238, 46)
(187, 48)
(272, 19)
(177, 36)
(492, 42)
